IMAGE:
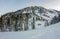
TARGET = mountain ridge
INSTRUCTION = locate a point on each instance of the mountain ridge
(30, 16)
(31, 7)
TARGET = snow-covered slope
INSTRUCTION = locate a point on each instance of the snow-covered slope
(29, 17)
(50, 32)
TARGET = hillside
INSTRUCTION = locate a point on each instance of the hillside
(29, 18)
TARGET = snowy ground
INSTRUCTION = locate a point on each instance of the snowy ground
(50, 32)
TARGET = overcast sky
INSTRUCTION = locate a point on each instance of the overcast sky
(13, 5)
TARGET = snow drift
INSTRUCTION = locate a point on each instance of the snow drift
(50, 32)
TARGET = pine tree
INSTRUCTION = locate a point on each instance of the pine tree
(33, 27)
